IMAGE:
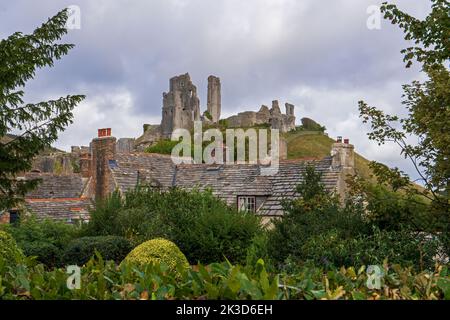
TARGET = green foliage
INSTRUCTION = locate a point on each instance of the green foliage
(428, 113)
(75, 166)
(104, 219)
(44, 239)
(207, 115)
(106, 281)
(80, 250)
(203, 226)
(317, 229)
(259, 250)
(10, 254)
(39, 124)
(311, 125)
(158, 251)
(390, 209)
(44, 252)
(223, 124)
(58, 167)
(162, 147)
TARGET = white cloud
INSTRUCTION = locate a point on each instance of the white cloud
(105, 110)
(318, 55)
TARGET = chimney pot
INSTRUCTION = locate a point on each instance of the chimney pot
(339, 139)
(106, 132)
(346, 141)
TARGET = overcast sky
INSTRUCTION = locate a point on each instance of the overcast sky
(318, 55)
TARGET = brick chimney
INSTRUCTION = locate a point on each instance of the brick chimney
(85, 165)
(343, 160)
(103, 150)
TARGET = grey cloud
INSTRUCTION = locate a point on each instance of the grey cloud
(318, 55)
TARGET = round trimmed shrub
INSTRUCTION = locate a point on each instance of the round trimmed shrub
(45, 252)
(80, 251)
(10, 254)
(158, 251)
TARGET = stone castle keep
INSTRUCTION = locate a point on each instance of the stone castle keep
(181, 107)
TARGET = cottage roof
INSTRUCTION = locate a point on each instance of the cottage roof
(226, 181)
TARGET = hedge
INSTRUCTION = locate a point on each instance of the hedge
(105, 280)
(79, 251)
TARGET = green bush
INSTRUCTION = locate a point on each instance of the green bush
(44, 239)
(317, 228)
(158, 251)
(201, 225)
(102, 280)
(10, 254)
(79, 251)
(207, 115)
(45, 252)
(311, 125)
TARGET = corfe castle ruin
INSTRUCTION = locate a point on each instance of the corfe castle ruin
(181, 107)
(71, 182)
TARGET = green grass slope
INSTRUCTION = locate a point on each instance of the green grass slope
(305, 144)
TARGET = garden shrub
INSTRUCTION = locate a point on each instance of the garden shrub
(316, 228)
(103, 219)
(45, 252)
(201, 225)
(158, 251)
(44, 239)
(10, 254)
(79, 251)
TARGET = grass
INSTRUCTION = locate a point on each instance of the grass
(314, 144)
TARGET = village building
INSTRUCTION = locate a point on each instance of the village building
(71, 182)
(69, 197)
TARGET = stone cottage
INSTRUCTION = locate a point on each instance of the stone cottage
(107, 168)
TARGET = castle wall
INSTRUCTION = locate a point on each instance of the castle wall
(272, 117)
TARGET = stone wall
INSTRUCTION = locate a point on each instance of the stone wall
(273, 118)
(58, 163)
(125, 145)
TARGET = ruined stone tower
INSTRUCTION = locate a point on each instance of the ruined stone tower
(214, 98)
(181, 106)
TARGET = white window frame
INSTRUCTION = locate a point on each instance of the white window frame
(247, 203)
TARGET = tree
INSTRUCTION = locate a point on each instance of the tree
(428, 110)
(37, 124)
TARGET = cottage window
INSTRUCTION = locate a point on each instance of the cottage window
(247, 204)
(14, 217)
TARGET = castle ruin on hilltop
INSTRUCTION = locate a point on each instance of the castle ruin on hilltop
(181, 108)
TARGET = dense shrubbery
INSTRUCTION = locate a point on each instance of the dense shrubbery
(158, 251)
(45, 252)
(45, 240)
(10, 254)
(79, 251)
(100, 280)
(316, 228)
(204, 227)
